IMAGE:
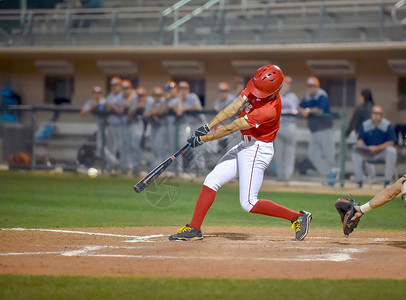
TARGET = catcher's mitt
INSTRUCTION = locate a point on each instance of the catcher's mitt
(345, 207)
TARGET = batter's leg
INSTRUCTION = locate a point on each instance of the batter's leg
(252, 163)
(225, 170)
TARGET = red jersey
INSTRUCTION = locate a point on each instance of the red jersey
(263, 115)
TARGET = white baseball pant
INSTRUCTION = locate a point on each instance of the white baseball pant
(247, 160)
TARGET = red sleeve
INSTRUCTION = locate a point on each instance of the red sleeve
(266, 113)
(246, 95)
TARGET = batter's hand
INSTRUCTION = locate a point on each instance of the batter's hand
(202, 130)
(195, 141)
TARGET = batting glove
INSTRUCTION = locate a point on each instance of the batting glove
(202, 130)
(195, 141)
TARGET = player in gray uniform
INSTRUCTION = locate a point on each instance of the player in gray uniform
(115, 130)
(169, 118)
(155, 111)
(125, 146)
(187, 101)
(96, 104)
(225, 98)
(136, 119)
(285, 142)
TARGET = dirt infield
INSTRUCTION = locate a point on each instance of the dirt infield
(230, 252)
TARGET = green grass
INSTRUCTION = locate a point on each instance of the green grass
(81, 287)
(41, 200)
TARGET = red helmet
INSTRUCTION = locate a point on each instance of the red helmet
(266, 81)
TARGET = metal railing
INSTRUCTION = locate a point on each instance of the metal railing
(31, 123)
(274, 22)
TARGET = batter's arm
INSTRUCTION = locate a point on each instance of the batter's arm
(238, 124)
(228, 112)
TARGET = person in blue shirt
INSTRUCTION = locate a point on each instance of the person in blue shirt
(376, 141)
(9, 97)
(321, 150)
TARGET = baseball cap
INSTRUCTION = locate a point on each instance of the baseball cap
(183, 85)
(126, 84)
(97, 89)
(170, 85)
(223, 87)
(287, 79)
(313, 81)
(115, 80)
(141, 91)
(156, 90)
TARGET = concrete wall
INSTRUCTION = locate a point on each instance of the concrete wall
(372, 70)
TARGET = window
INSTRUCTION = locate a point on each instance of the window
(402, 93)
(335, 88)
(58, 89)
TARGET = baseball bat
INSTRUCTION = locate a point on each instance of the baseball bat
(151, 176)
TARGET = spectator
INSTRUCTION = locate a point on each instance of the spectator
(321, 145)
(362, 112)
(137, 109)
(9, 97)
(285, 142)
(115, 129)
(96, 105)
(376, 142)
(154, 112)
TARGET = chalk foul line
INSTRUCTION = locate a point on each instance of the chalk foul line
(337, 255)
(134, 238)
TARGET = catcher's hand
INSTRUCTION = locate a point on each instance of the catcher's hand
(345, 208)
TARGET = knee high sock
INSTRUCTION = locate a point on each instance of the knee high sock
(270, 208)
(204, 202)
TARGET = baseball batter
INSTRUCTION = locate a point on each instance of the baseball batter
(258, 123)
